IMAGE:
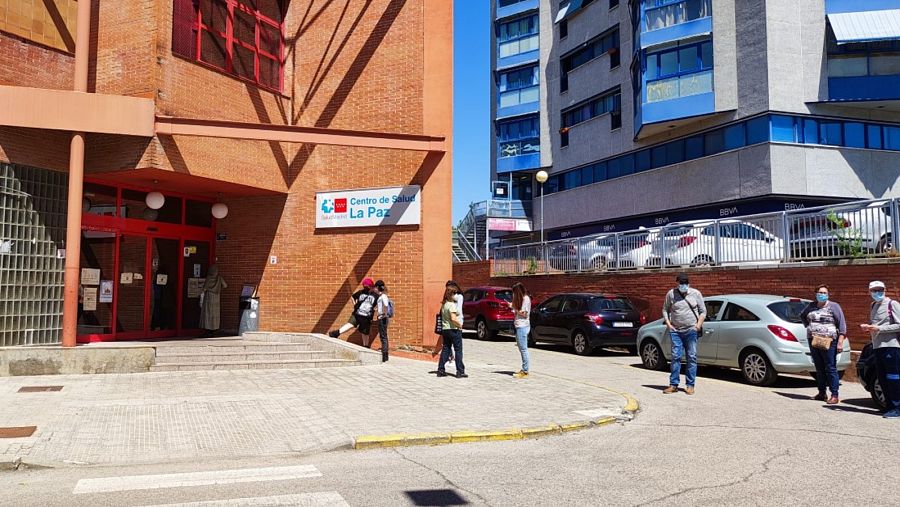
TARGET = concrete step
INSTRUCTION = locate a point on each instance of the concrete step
(227, 348)
(296, 338)
(164, 357)
(255, 365)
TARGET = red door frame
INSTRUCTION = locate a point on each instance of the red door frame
(150, 230)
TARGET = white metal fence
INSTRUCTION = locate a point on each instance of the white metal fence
(855, 229)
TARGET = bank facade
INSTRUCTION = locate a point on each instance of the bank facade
(212, 130)
(654, 111)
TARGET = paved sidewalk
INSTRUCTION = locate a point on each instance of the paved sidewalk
(175, 416)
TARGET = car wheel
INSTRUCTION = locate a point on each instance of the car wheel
(884, 245)
(652, 356)
(757, 369)
(878, 395)
(702, 260)
(481, 329)
(598, 263)
(580, 344)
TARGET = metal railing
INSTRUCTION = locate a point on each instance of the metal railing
(850, 230)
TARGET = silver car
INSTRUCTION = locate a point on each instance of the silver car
(761, 335)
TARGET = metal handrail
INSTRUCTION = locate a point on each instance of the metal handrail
(846, 230)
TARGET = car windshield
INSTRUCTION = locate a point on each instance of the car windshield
(505, 295)
(788, 311)
(600, 304)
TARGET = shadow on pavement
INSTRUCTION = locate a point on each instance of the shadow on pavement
(504, 372)
(435, 497)
(846, 406)
(793, 396)
(657, 388)
(862, 402)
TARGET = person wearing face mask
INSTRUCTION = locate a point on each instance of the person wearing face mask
(824, 318)
(683, 312)
(885, 330)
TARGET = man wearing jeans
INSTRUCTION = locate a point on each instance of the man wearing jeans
(683, 312)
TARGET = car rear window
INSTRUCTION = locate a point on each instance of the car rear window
(505, 295)
(788, 310)
(600, 304)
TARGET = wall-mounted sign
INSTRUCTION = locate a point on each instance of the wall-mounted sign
(162, 279)
(369, 208)
(89, 299)
(106, 291)
(126, 278)
(195, 287)
(90, 276)
(508, 224)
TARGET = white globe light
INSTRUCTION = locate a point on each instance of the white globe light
(541, 176)
(155, 200)
(220, 210)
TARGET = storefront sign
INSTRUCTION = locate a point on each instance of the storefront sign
(370, 207)
(89, 299)
(106, 291)
(508, 224)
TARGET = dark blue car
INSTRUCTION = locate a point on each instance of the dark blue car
(586, 322)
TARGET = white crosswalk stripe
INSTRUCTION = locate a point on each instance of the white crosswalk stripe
(323, 499)
(192, 479)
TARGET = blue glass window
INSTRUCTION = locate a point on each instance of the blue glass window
(609, 102)
(643, 161)
(758, 130)
(518, 36)
(714, 142)
(873, 137)
(734, 137)
(587, 175)
(573, 179)
(783, 129)
(600, 171)
(675, 152)
(519, 86)
(658, 155)
(679, 72)
(627, 165)
(892, 138)
(830, 133)
(810, 131)
(613, 168)
(855, 135)
(693, 147)
(518, 137)
(660, 14)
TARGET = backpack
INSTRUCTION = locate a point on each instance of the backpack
(364, 304)
(390, 307)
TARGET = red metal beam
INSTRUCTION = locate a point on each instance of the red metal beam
(167, 125)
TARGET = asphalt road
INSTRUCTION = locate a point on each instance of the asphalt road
(730, 444)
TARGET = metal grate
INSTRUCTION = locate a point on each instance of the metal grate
(17, 432)
(39, 389)
(32, 231)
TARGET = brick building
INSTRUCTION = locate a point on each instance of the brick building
(259, 105)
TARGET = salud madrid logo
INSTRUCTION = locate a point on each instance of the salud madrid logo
(336, 206)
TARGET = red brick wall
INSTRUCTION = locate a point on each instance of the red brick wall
(36, 66)
(848, 285)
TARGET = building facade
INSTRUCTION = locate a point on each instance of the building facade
(665, 110)
(258, 105)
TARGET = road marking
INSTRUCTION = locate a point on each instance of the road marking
(324, 499)
(189, 479)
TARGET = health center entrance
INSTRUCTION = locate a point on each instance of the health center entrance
(144, 258)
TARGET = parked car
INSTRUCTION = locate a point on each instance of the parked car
(586, 321)
(693, 243)
(487, 310)
(865, 371)
(761, 335)
(596, 253)
(850, 226)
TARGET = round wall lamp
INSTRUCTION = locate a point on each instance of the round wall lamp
(220, 210)
(155, 200)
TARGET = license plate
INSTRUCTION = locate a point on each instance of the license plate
(623, 324)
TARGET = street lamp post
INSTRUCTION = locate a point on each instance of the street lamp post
(541, 177)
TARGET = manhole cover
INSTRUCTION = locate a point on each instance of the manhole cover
(17, 432)
(39, 389)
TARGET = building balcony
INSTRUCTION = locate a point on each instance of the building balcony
(517, 8)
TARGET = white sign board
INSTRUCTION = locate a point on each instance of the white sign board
(369, 208)
(508, 224)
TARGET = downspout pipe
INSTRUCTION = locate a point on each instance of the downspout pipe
(76, 182)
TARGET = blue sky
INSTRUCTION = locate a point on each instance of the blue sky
(471, 111)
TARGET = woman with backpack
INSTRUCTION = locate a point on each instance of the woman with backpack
(521, 305)
(385, 312)
(363, 306)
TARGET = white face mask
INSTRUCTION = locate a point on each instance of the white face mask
(683, 287)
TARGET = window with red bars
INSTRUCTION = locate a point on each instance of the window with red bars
(242, 37)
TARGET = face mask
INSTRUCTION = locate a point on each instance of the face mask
(877, 296)
(821, 297)
(683, 287)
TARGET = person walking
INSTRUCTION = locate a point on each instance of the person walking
(826, 330)
(363, 306)
(385, 312)
(885, 330)
(210, 301)
(521, 304)
(683, 312)
(451, 334)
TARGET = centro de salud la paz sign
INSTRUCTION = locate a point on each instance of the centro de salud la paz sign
(370, 207)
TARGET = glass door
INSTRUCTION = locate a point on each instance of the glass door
(196, 255)
(131, 287)
(98, 261)
(163, 281)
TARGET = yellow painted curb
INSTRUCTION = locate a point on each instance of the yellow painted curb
(575, 426)
(400, 439)
(540, 431)
(631, 405)
(604, 421)
(481, 436)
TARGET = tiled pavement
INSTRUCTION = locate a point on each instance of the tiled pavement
(174, 416)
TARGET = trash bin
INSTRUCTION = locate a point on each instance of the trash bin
(249, 310)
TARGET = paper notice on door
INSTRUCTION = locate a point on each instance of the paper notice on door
(90, 276)
(126, 278)
(106, 291)
(195, 287)
(196, 271)
(89, 299)
(162, 279)
(138, 276)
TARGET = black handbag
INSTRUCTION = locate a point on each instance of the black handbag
(438, 323)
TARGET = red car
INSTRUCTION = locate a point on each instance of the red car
(488, 311)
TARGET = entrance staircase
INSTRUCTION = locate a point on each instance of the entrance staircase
(256, 351)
